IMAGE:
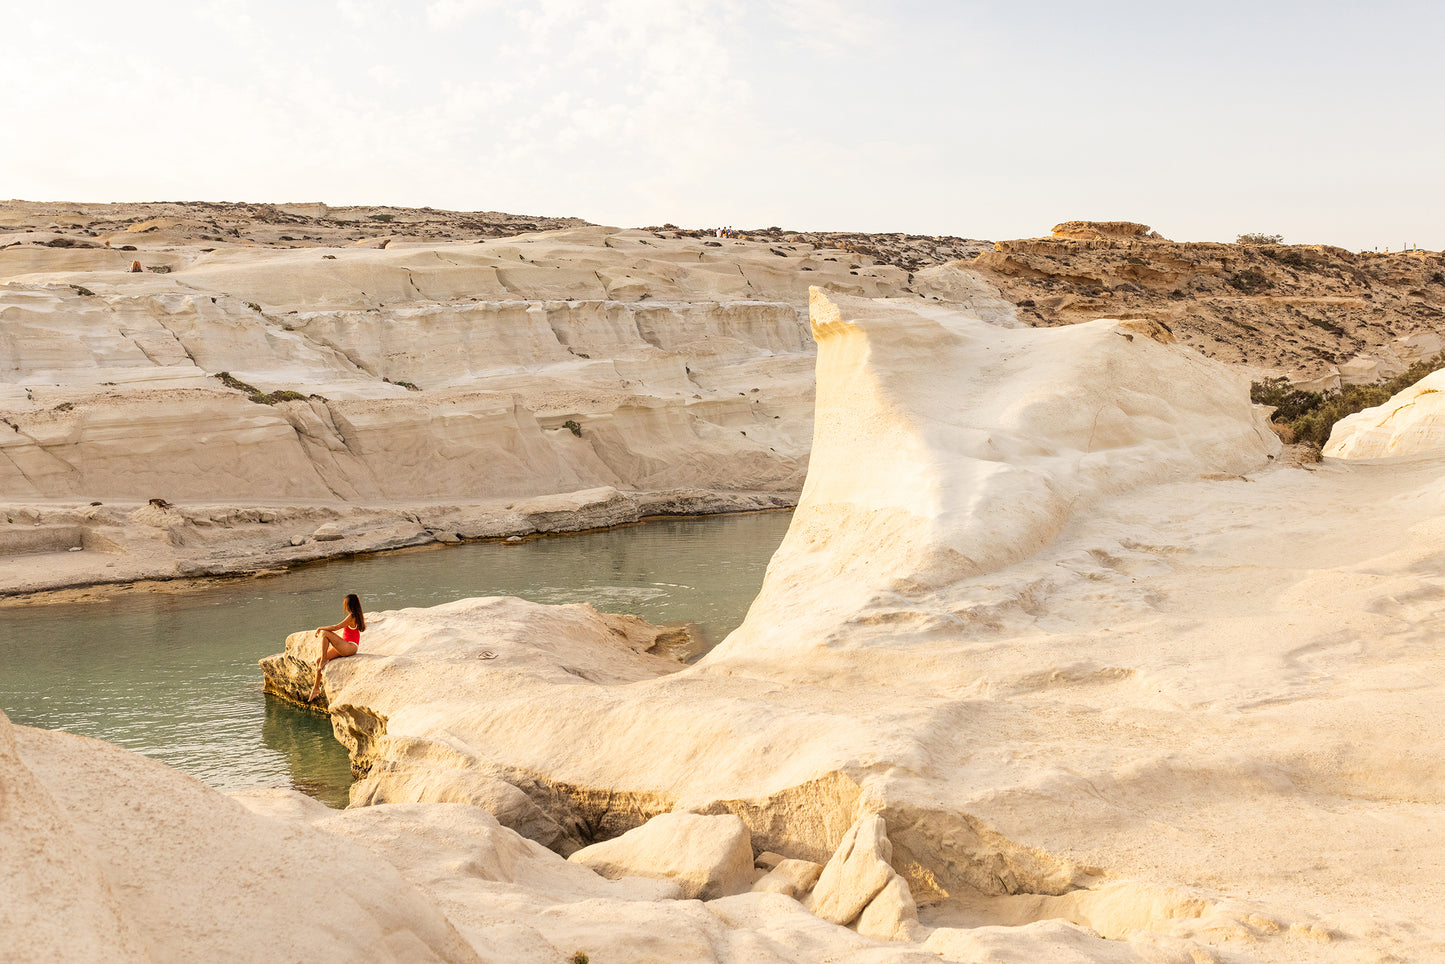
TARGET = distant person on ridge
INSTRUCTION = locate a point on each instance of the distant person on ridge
(334, 646)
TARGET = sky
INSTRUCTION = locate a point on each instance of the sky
(1319, 121)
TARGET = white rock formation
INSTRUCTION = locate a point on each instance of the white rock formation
(794, 878)
(856, 874)
(706, 856)
(945, 448)
(892, 914)
(1410, 423)
(542, 364)
(1117, 691)
(106, 855)
(970, 653)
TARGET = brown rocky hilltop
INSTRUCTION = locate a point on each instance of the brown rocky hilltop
(309, 224)
(1318, 312)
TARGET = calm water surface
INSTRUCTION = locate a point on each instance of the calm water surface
(174, 675)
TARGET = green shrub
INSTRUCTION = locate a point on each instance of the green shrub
(280, 395)
(1311, 416)
(1256, 238)
(572, 426)
(1289, 402)
(1249, 281)
(1290, 258)
(256, 395)
(237, 384)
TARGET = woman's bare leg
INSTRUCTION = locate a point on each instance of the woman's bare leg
(332, 646)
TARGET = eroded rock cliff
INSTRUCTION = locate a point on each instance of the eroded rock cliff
(1032, 610)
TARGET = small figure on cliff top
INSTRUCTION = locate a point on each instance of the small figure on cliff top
(334, 646)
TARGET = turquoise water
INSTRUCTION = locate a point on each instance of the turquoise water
(173, 675)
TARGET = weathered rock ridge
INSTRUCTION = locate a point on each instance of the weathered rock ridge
(303, 361)
(248, 372)
(1320, 314)
(1026, 646)
(1410, 423)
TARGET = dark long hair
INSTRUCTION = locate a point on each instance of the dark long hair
(353, 606)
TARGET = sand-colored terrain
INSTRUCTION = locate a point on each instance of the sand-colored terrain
(275, 374)
(1064, 658)
(1317, 313)
(1090, 645)
(274, 369)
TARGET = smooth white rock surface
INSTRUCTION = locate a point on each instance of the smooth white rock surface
(706, 856)
(1410, 423)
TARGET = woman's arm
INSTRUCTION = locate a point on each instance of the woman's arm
(341, 625)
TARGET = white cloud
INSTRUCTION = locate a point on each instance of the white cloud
(831, 27)
(449, 13)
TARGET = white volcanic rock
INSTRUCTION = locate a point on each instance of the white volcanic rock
(109, 385)
(892, 914)
(1055, 941)
(516, 901)
(110, 856)
(406, 371)
(1410, 423)
(855, 874)
(793, 878)
(945, 448)
(176, 445)
(1182, 712)
(706, 856)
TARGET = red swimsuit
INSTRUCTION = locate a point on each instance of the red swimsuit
(351, 634)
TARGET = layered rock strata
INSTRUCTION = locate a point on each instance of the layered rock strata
(1315, 312)
(1056, 618)
(254, 373)
(266, 354)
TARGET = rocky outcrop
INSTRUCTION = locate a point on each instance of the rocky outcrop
(1410, 423)
(855, 875)
(706, 856)
(1317, 313)
(1093, 230)
(106, 855)
(864, 688)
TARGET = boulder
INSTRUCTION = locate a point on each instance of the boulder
(858, 871)
(767, 860)
(707, 856)
(329, 532)
(1411, 423)
(793, 878)
(108, 855)
(891, 915)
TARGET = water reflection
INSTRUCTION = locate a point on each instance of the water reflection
(174, 675)
(318, 764)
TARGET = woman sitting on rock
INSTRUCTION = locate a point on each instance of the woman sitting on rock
(346, 644)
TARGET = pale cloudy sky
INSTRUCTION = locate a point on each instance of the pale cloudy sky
(1320, 121)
